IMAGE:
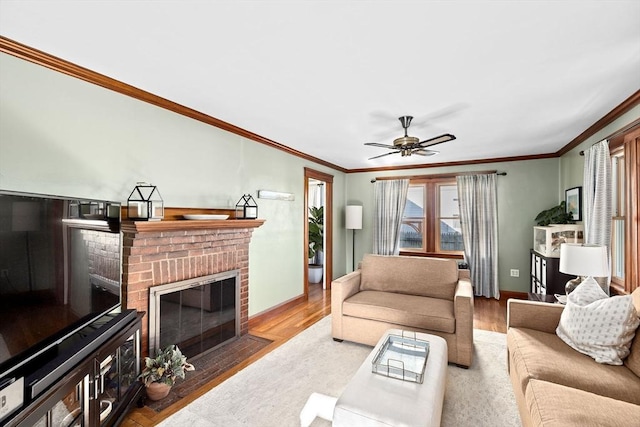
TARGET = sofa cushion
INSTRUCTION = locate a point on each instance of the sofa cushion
(433, 314)
(428, 277)
(633, 360)
(541, 355)
(556, 405)
(598, 326)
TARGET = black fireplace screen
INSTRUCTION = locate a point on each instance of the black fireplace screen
(197, 318)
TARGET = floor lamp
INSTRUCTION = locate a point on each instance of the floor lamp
(354, 222)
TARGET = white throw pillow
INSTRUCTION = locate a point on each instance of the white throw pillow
(598, 326)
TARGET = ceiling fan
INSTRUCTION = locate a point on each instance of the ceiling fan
(407, 145)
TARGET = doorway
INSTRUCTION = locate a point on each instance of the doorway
(318, 193)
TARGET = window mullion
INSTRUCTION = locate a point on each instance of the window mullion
(431, 212)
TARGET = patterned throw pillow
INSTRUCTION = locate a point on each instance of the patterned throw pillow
(598, 326)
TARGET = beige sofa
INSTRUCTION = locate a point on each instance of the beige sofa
(410, 293)
(555, 385)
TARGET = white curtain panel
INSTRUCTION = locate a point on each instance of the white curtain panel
(479, 218)
(597, 195)
(390, 197)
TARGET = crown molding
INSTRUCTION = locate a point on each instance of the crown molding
(460, 163)
(38, 57)
(625, 106)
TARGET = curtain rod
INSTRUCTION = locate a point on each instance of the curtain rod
(595, 143)
(452, 175)
(616, 133)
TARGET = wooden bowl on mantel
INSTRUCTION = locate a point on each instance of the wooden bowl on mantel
(176, 214)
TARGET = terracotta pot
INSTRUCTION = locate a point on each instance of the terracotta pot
(157, 391)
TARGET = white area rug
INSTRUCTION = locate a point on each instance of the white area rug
(273, 390)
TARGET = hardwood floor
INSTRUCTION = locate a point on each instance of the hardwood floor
(489, 314)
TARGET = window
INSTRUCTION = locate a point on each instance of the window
(618, 219)
(448, 220)
(625, 226)
(413, 220)
(431, 220)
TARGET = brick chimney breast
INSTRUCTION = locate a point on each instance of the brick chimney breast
(160, 252)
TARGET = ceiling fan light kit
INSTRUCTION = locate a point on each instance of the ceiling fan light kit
(407, 145)
(405, 140)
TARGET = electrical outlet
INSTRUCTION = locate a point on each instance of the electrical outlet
(515, 272)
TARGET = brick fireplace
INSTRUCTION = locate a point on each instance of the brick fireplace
(161, 252)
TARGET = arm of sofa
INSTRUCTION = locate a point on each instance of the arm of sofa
(341, 289)
(541, 316)
(463, 310)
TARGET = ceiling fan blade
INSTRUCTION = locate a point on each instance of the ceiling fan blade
(375, 144)
(425, 120)
(437, 140)
(426, 153)
(381, 116)
(382, 155)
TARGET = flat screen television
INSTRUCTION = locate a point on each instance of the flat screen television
(60, 269)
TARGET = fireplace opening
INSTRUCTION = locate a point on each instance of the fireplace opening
(198, 315)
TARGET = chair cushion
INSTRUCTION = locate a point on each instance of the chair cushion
(543, 356)
(556, 405)
(598, 326)
(433, 314)
(428, 277)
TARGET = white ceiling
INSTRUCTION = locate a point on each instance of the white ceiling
(507, 78)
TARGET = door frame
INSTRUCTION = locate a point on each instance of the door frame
(328, 227)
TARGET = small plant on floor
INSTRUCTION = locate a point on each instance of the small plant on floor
(316, 230)
(168, 365)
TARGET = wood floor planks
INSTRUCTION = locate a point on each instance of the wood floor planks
(489, 314)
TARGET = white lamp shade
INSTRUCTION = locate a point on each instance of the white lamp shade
(354, 217)
(584, 260)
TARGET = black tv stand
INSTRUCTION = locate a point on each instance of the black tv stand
(91, 378)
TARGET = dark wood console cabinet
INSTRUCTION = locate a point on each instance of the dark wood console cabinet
(546, 278)
(99, 390)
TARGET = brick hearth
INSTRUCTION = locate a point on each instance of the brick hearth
(161, 252)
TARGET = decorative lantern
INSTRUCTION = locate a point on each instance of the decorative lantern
(145, 203)
(246, 208)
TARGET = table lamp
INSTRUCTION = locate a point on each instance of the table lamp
(586, 261)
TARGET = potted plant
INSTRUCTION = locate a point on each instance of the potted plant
(160, 372)
(316, 226)
(554, 215)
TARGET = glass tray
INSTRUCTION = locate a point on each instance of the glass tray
(402, 357)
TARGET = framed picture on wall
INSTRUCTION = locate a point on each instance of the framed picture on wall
(573, 203)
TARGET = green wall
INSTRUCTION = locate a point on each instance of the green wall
(529, 187)
(60, 135)
(572, 163)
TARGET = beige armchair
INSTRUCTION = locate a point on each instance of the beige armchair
(410, 293)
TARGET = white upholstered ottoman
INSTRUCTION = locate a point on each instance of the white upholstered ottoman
(374, 400)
